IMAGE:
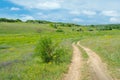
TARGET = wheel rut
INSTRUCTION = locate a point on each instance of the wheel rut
(97, 67)
(74, 72)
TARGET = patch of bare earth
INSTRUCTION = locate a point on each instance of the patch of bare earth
(97, 67)
(74, 72)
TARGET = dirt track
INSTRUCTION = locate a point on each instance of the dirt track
(98, 69)
(74, 72)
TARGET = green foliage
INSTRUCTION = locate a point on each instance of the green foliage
(59, 30)
(38, 21)
(45, 49)
(18, 42)
(108, 27)
(103, 28)
(59, 55)
(80, 30)
(92, 26)
(54, 26)
(4, 47)
(90, 29)
(9, 20)
(49, 51)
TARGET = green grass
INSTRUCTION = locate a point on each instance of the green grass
(18, 28)
(27, 67)
(18, 41)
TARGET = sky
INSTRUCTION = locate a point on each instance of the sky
(71, 11)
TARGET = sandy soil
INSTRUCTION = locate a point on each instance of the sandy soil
(74, 72)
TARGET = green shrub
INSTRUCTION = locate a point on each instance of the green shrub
(49, 51)
(4, 47)
(90, 29)
(54, 25)
(45, 49)
(59, 55)
(80, 30)
(59, 30)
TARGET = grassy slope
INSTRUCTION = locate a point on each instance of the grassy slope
(16, 28)
(17, 42)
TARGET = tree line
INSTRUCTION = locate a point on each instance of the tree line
(9, 20)
(107, 27)
(56, 24)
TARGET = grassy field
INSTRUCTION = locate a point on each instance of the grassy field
(107, 45)
(18, 41)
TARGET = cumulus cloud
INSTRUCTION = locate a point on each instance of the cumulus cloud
(49, 5)
(83, 12)
(75, 12)
(26, 17)
(15, 9)
(53, 16)
(42, 16)
(110, 13)
(91, 4)
(58, 10)
(77, 20)
(70, 4)
(115, 19)
(89, 13)
(37, 4)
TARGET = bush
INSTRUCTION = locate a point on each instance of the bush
(59, 30)
(54, 25)
(90, 30)
(45, 49)
(79, 30)
(49, 51)
(59, 55)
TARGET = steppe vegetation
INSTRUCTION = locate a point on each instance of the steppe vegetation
(23, 44)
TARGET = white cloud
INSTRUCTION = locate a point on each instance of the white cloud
(42, 16)
(26, 17)
(115, 19)
(83, 12)
(89, 13)
(70, 4)
(77, 20)
(49, 5)
(38, 4)
(68, 10)
(15, 9)
(91, 4)
(110, 13)
(75, 12)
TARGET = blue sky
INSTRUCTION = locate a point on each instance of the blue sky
(75, 11)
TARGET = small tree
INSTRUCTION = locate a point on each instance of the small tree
(45, 49)
(50, 52)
